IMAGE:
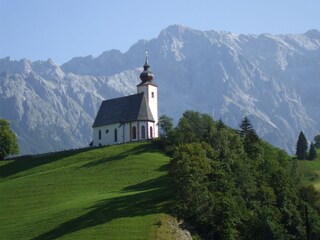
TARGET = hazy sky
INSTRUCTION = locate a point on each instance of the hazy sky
(62, 29)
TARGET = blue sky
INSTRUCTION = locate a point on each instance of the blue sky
(62, 29)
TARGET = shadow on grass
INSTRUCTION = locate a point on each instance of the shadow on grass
(150, 184)
(139, 149)
(16, 166)
(139, 204)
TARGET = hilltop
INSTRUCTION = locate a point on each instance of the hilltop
(116, 192)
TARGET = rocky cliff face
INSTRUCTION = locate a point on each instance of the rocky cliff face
(273, 79)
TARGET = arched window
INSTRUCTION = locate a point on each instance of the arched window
(151, 132)
(115, 135)
(99, 134)
(134, 132)
(143, 132)
(152, 94)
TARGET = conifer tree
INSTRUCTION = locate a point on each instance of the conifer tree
(251, 139)
(302, 147)
(312, 152)
(317, 141)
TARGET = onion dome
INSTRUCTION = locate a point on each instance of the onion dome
(146, 75)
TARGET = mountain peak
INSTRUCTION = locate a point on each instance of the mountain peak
(177, 30)
(313, 33)
(51, 62)
(15, 66)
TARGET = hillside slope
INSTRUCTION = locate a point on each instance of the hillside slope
(117, 192)
(310, 171)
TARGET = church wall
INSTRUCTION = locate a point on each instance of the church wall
(124, 133)
(152, 130)
(138, 125)
(107, 135)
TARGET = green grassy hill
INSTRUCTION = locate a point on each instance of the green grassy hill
(117, 192)
(310, 171)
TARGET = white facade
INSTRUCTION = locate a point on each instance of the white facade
(151, 93)
(122, 133)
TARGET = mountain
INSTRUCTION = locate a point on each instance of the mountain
(50, 109)
(272, 79)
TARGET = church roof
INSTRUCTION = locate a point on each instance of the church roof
(123, 109)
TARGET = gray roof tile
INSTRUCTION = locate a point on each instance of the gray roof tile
(123, 109)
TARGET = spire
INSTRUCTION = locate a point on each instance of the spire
(146, 63)
(146, 75)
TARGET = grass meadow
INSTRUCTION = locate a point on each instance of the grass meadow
(116, 192)
(310, 171)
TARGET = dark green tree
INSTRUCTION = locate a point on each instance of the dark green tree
(317, 141)
(251, 141)
(221, 125)
(302, 147)
(193, 127)
(190, 168)
(312, 152)
(8, 141)
(165, 126)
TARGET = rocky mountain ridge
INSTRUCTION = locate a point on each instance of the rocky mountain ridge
(273, 79)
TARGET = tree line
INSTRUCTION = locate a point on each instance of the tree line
(230, 184)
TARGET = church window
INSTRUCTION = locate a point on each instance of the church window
(107, 130)
(99, 134)
(151, 132)
(152, 94)
(143, 132)
(134, 132)
(115, 135)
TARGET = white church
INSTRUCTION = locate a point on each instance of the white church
(131, 118)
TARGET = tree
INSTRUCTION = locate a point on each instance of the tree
(8, 141)
(165, 126)
(317, 141)
(251, 141)
(193, 127)
(312, 152)
(302, 147)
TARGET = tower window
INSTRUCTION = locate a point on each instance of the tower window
(143, 132)
(99, 134)
(152, 94)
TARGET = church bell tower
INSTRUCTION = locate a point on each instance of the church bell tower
(150, 91)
